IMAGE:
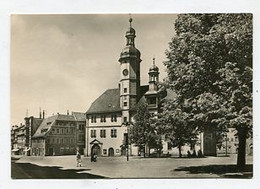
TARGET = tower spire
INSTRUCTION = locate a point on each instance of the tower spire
(130, 20)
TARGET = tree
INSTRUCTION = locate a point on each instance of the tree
(210, 65)
(176, 124)
(143, 132)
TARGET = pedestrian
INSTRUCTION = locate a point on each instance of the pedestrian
(188, 154)
(78, 157)
(93, 157)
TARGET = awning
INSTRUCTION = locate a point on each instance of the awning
(15, 150)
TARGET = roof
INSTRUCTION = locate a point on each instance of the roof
(63, 117)
(46, 124)
(79, 116)
(109, 101)
(49, 122)
(37, 121)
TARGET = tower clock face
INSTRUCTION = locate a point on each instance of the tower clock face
(125, 72)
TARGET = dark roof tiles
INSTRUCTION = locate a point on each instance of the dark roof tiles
(107, 102)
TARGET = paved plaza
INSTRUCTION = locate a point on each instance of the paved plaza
(137, 167)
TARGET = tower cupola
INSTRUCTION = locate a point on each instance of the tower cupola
(130, 50)
(153, 73)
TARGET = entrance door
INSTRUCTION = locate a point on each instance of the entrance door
(51, 151)
(96, 149)
(111, 152)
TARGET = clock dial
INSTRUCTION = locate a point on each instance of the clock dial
(125, 72)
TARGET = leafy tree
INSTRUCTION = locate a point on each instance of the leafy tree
(210, 65)
(177, 124)
(143, 132)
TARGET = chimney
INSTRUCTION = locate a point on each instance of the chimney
(43, 114)
(40, 113)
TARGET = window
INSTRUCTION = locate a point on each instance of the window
(125, 103)
(93, 119)
(152, 100)
(81, 127)
(125, 119)
(113, 118)
(58, 131)
(103, 133)
(93, 134)
(113, 133)
(58, 140)
(125, 90)
(103, 118)
(72, 130)
(104, 151)
(81, 137)
(61, 140)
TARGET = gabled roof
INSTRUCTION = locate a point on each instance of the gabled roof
(109, 101)
(79, 116)
(95, 141)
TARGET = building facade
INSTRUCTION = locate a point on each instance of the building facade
(60, 135)
(229, 144)
(110, 114)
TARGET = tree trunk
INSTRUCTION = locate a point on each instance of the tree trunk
(144, 150)
(241, 156)
(180, 155)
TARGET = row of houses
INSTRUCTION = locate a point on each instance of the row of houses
(55, 135)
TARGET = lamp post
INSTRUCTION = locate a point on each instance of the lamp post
(226, 143)
(126, 140)
(145, 133)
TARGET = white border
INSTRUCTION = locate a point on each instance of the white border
(8, 7)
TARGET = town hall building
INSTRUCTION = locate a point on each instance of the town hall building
(109, 115)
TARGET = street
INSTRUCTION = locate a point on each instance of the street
(136, 167)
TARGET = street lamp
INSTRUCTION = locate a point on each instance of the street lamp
(226, 142)
(145, 133)
(126, 140)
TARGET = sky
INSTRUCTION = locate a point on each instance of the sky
(64, 62)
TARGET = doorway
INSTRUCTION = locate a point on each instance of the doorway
(96, 150)
(111, 152)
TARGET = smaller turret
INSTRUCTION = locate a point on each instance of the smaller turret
(153, 77)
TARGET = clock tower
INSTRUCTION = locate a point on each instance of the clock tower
(129, 85)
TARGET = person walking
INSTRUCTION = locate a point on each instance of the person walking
(78, 157)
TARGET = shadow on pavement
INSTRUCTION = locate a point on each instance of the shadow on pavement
(31, 171)
(227, 171)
